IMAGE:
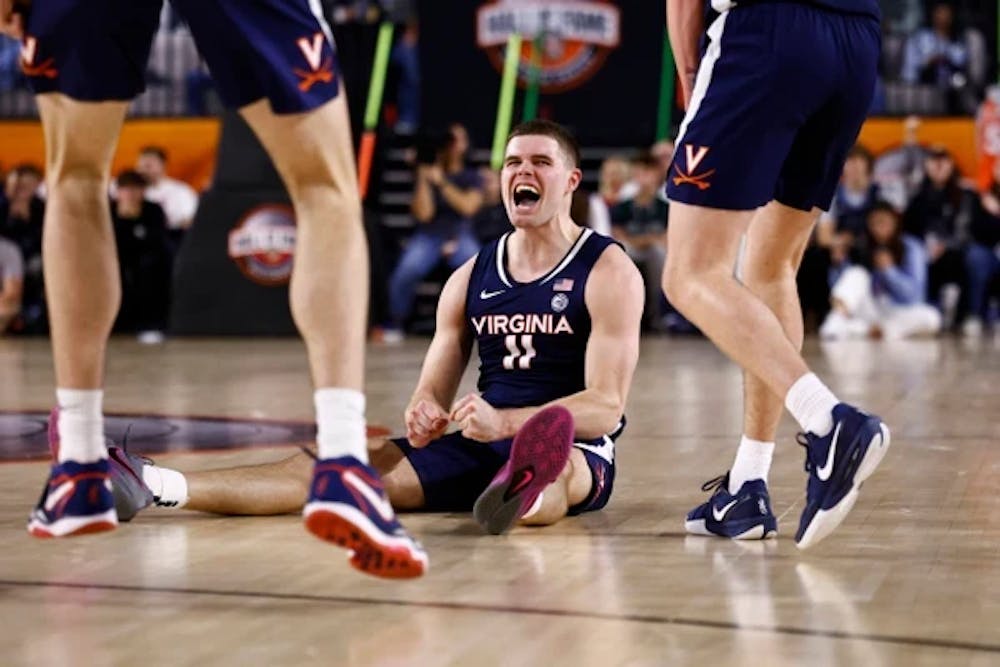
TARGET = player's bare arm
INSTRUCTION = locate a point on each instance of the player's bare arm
(685, 26)
(614, 297)
(426, 416)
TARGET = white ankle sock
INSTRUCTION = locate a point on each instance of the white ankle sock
(169, 487)
(753, 461)
(81, 425)
(340, 422)
(812, 404)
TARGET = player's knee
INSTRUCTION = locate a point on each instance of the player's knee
(403, 488)
(678, 283)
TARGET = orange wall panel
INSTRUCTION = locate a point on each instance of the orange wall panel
(191, 145)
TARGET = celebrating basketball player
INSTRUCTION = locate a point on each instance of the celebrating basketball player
(779, 97)
(555, 310)
(274, 60)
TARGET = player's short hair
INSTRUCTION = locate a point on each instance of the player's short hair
(882, 206)
(130, 178)
(546, 128)
(156, 151)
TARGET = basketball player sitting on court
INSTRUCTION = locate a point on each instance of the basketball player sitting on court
(555, 310)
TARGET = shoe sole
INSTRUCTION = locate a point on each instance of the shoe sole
(826, 521)
(755, 532)
(372, 551)
(544, 443)
(73, 526)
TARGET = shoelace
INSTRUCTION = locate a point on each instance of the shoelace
(124, 445)
(715, 483)
(803, 440)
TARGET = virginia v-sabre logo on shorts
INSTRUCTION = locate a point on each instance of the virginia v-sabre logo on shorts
(693, 155)
(29, 52)
(320, 70)
(263, 244)
(576, 36)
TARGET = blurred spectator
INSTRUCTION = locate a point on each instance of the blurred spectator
(663, 151)
(10, 64)
(406, 57)
(178, 200)
(21, 220)
(900, 171)
(144, 258)
(491, 222)
(988, 137)
(11, 283)
(446, 196)
(614, 175)
(947, 58)
(982, 259)
(940, 215)
(835, 234)
(640, 224)
(883, 295)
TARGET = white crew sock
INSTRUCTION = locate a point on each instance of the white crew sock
(812, 404)
(169, 487)
(81, 425)
(753, 461)
(340, 422)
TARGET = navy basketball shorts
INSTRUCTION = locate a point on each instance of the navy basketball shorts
(97, 50)
(454, 470)
(779, 99)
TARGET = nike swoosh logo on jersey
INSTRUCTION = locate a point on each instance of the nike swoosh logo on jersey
(824, 472)
(374, 498)
(720, 514)
(489, 295)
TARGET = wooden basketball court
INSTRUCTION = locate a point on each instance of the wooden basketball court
(912, 578)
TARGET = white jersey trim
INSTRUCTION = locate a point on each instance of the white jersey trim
(501, 247)
(570, 255)
(704, 77)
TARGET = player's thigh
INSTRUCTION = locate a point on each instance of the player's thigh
(815, 160)
(741, 119)
(275, 61)
(452, 470)
(776, 241)
(80, 137)
(89, 51)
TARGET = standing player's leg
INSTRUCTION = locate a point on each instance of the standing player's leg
(329, 299)
(739, 81)
(769, 269)
(83, 294)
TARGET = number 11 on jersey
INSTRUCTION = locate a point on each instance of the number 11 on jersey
(520, 356)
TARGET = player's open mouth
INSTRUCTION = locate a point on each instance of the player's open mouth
(526, 197)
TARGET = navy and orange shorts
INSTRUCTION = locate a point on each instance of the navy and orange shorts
(454, 470)
(97, 50)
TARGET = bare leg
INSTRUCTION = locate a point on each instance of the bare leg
(329, 289)
(699, 281)
(776, 241)
(81, 265)
(280, 487)
(572, 487)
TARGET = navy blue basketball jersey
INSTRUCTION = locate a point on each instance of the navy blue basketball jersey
(532, 337)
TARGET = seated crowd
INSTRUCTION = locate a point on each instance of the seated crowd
(908, 247)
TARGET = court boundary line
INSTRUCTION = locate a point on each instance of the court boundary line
(650, 619)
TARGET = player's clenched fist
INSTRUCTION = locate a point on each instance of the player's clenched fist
(478, 419)
(425, 421)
